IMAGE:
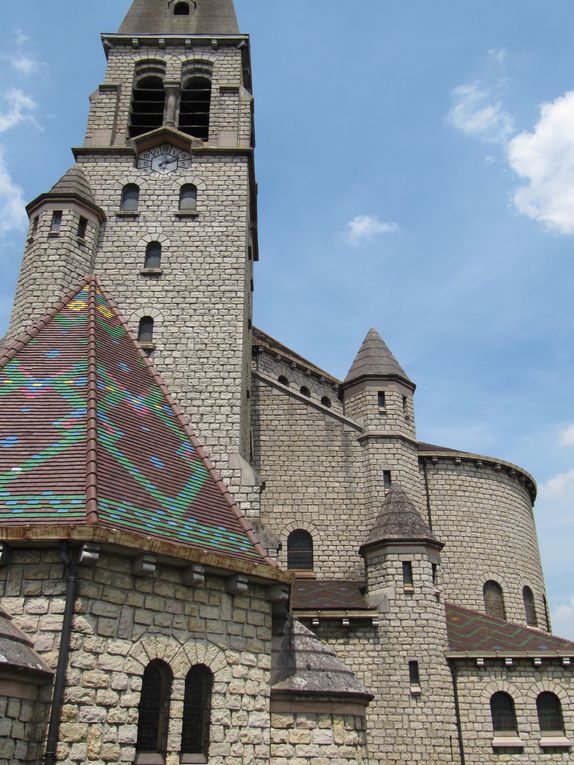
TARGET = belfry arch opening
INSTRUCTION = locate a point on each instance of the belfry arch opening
(195, 105)
(148, 104)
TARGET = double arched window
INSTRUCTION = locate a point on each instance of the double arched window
(153, 710)
(494, 600)
(300, 550)
(503, 714)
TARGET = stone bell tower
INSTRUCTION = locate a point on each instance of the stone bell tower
(161, 205)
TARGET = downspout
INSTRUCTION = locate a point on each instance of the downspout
(427, 491)
(454, 673)
(71, 570)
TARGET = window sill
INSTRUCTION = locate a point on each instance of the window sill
(190, 214)
(127, 214)
(507, 742)
(151, 272)
(192, 759)
(408, 588)
(53, 234)
(147, 347)
(149, 758)
(416, 690)
(555, 742)
(303, 573)
(81, 240)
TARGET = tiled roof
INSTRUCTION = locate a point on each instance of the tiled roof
(375, 359)
(264, 340)
(399, 519)
(152, 17)
(470, 632)
(90, 435)
(17, 650)
(328, 594)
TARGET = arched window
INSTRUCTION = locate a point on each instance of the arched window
(549, 710)
(130, 198)
(148, 104)
(194, 107)
(300, 550)
(529, 607)
(494, 600)
(197, 711)
(145, 330)
(503, 713)
(283, 380)
(305, 391)
(188, 198)
(153, 710)
(326, 401)
(153, 255)
(181, 9)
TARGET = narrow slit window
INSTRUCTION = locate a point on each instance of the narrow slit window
(529, 607)
(195, 107)
(82, 228)
(145, 330)
(549, 710)
(300, 550)
(408, 580)
(387, 479)
(56, 224)
(153, 255)
(503, 714)
(434, 574)
(414, 673)
(130, 198)
(405, 406)
(382, 399)
(148, 104)
(153, 710)
(197, 711)
(188, 198)
(34, 230)
(494, 600)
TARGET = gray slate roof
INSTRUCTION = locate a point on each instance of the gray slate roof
(375, 359)
(302, 664)
(17, 651)
(74, 184)
(208, 17)
(399, 519)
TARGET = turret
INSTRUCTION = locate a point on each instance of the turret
(60, 248)
(402, 559)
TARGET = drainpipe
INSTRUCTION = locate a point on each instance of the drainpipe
(427, 490)
(454, 673)
(71, 570)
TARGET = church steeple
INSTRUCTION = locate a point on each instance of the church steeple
(190, 17)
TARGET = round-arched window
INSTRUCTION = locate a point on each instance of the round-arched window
(494, 600)
(300, 550)
(181, 9)
(503, 713)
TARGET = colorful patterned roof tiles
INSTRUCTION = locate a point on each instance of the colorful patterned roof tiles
(90, 435)
(475, 634)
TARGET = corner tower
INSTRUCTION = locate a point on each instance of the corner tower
(168, 159)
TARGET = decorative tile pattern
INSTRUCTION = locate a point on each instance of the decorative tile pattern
(472, 632)
(149, 477)
(328, 594)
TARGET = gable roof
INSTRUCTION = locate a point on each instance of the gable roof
(206, 17)
(375, 359)
(471, 633)
(89, 435)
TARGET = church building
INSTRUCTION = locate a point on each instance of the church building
(212, 550)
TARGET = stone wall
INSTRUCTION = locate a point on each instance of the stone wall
(22, 724)
(123, 622)
(318, 739)
(524, 683)
(484, 516)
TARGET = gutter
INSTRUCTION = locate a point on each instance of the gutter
(71, 570)
(454, 673)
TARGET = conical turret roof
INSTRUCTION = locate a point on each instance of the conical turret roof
(399, 520)
(375, 359)
(205, 17)
(74, 183)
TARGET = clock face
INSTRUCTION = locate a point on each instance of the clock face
(164, 159)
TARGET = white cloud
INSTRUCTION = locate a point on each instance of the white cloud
(364, 228)
(17, 107)
(563, 620)
(498, 55)
(567, 436)
(22, 60)
(478, 112)
(545, 158)
(12, 212)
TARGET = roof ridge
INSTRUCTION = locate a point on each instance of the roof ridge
(375, 359)
(226, 494)
(92, 411)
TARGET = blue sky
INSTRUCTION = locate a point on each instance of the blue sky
(416, 173)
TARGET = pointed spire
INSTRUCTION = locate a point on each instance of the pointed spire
(375, 359)
(204, 17)
(399, 520)
(74, 184)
